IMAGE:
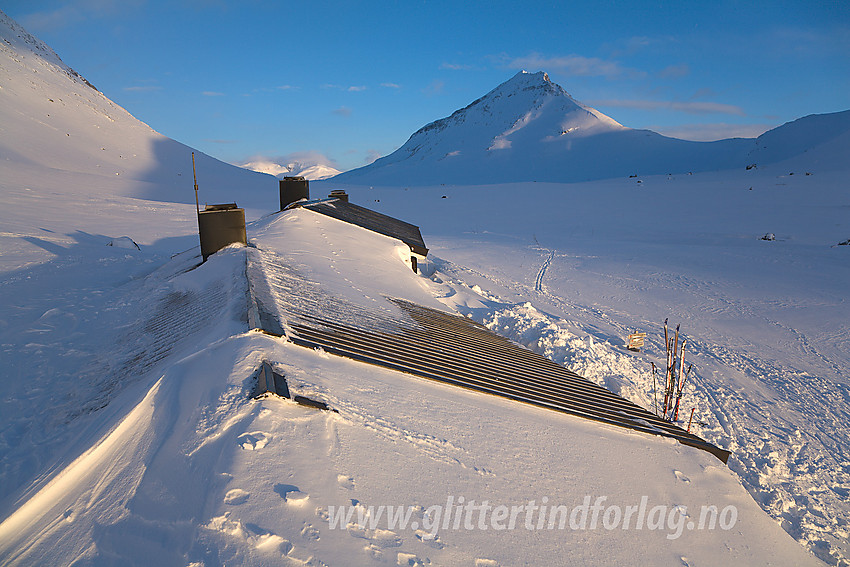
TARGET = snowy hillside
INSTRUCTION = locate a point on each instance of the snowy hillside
(57, 130)
(128, 429)
(530, 129)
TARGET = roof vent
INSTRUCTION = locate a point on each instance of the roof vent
(339, 194)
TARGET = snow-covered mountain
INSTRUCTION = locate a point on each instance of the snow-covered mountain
(530, 129)
(308, 170)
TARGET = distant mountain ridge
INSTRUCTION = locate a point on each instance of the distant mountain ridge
(530, 129)
(310, 170)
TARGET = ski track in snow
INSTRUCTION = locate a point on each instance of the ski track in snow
(800, 476)
(538, 282)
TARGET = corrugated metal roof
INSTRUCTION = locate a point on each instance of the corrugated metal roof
(370, 220)
(440, 346)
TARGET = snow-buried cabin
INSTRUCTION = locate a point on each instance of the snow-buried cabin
(422, 341)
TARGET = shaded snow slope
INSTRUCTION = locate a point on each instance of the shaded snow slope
(58, 131)
(530, 129)
(185, 468)
(819, 141)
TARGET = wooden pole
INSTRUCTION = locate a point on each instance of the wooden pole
(195, 177)
(654, 395)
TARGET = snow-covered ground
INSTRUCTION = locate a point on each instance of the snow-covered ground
(570, 270)
(128, 434)
(174, 463)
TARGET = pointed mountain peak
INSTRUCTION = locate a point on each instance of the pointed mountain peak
(527, 102)
(531, 81)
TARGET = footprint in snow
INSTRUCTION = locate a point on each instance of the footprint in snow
(236, 496)
(309, 532)
(682, 477)
(429, 539)
(345, 481)
(291, 494)
(253, 441)
(374, 552)
(409, 559)
(377, 537)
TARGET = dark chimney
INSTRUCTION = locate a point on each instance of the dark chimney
(219, 226)
(293, 189)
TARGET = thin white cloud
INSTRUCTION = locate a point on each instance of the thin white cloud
(575, 65)
(75, 12)
(286, 88)
(143, 88)
(675, 71)
(693, 107)
(711, 132)
(391, 85)
(455, 67)
(703, 93)
(212, 93)
(371, 156)
(351, 89)
(342, 111)
(630, 46)
(435, 88)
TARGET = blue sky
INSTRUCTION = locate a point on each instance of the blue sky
(349, 81)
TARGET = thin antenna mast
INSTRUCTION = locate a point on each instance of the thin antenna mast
(195, 177)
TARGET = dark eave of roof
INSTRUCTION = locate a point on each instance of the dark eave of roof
(370, 220)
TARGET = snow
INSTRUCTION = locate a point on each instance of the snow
(573, 269)
(128, 434)
(258, 477)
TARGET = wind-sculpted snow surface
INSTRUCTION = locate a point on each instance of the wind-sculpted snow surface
(105, 329)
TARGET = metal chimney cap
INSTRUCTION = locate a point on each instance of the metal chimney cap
(220, 207)
(294, 177)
